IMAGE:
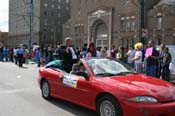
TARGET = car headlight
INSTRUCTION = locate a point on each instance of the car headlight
(143, 99)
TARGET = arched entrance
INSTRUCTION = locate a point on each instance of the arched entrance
(100, 27)
(99, 32)
(101, 37)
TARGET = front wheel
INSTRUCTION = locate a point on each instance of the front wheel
(108, 106)
(45, 89)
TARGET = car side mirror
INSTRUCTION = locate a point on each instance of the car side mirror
(81, 73)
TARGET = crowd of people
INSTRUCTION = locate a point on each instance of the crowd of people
(150, 61)
(15, 55)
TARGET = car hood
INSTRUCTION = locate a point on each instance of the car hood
(141, 85)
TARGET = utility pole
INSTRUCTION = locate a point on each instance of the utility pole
(31, 25)
(141, 19)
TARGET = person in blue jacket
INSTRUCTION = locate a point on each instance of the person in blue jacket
(38, 57)
(20, 54)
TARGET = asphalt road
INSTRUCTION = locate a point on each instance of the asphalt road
(21, 96)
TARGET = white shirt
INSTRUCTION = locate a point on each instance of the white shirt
(74, 56)
(98, 53)
(118, 56)
(131, 54)
(15, 52)
(138, 54)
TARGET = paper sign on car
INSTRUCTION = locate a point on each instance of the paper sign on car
(70, 80)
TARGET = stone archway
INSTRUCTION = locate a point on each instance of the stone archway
(100, 27)
(100, 34)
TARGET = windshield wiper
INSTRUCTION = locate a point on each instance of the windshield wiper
(105, 74)
(125, 73)
(112, 74)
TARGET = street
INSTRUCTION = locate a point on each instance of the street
(20, 95)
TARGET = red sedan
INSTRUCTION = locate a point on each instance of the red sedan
(108, 87)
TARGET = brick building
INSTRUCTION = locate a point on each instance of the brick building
(108, 22)
(161, 22)
(3, 38)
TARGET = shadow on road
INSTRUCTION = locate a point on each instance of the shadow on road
(72, 108)
(23, 67)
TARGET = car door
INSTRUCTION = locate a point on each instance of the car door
(55, 80)
(84, 91)
(69, 85)
(76, 89)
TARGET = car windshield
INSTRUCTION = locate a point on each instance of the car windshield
(108, 67)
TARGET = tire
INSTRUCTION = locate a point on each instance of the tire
(45, 90)
(108, 106)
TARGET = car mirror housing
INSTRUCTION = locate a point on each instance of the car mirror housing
(81, 73)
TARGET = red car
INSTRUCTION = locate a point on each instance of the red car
(108, 87)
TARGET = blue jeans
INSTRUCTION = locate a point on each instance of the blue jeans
(1, 57)
(46, 60)
(151, 70)
(6, 58)
(38, 62)
(130, 64)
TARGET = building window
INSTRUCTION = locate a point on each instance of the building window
(158, 41)
(52, 13)
(67, 1)
(45, 22)
(133, 23)
(59, 7)
(52, 30)
(121, 42)
(44, 38)
(128, 25)
(45, 4)
(67, 8)
(79, 1)
(45, 13)
(58, 30)
(79, 7)
(79, 11)
(122, 24)
(76, 31)
(45, 28)
(82, 30)
(125, 2)
(159, 23)
(52, 6)
(59, 15)
(59, 22)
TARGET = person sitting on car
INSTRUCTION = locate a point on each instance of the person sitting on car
(75, 68)
(82, 68)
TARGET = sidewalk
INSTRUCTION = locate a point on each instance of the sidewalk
(29, 61)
